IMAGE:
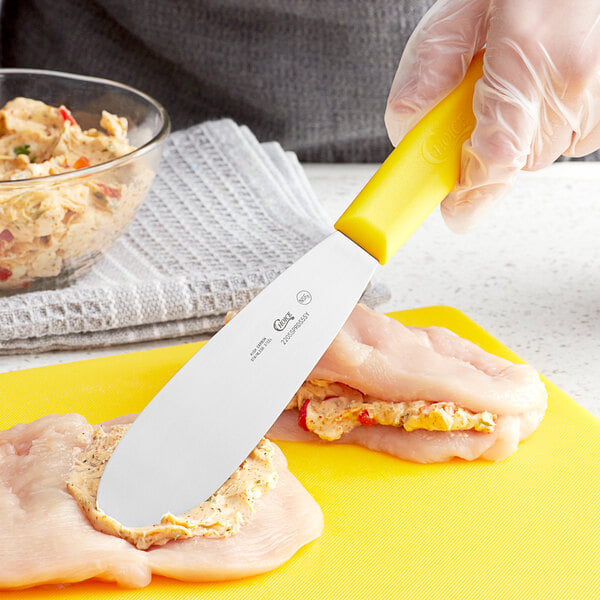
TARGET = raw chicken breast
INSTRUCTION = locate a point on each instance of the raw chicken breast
(45, 538)
(383, 359)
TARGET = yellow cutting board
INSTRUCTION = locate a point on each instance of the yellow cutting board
(527, 527)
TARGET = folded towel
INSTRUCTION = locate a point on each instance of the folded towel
(225, 215)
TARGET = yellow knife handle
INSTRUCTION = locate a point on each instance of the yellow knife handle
(416, 176)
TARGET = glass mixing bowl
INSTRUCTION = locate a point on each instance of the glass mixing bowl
(54, 228)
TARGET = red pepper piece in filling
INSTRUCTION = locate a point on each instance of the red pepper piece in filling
(5, 274)
(111, 192)
(6, 236)
(65, 113)
(81, 163)
(364, 418)
(302, 416)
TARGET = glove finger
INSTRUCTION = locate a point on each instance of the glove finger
(586, 137)
(463, 210)
(506, 105)
(434, 61)
(550, 141)
(569, 114)
(590, 143)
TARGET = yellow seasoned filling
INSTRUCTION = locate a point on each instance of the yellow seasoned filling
(331, 409)
(220, 516)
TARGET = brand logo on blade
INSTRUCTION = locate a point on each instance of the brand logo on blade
(303, 297)
(281, 324)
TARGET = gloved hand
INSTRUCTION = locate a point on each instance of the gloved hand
(539, 96)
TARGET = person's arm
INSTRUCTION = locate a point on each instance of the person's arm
(539, 96)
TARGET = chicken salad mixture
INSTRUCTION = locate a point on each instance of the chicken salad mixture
(45, 229)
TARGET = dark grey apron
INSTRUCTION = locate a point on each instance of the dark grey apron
(313, 74)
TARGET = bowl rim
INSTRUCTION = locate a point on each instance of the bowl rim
(155, 141)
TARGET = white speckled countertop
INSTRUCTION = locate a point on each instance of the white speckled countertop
(530, 275)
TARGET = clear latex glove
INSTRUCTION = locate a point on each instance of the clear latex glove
(539, 96)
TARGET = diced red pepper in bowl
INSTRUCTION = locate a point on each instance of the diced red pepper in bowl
(65, 113)
(111, 192)
(6, 236)
(81, 163)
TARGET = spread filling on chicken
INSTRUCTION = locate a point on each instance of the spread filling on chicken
(221, 515)
(331, 409)
(45, 229)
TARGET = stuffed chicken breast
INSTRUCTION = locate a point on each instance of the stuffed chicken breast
(419, 393)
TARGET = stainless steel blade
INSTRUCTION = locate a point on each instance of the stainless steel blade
(202, 425)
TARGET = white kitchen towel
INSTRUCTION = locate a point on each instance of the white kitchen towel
(225, 215)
